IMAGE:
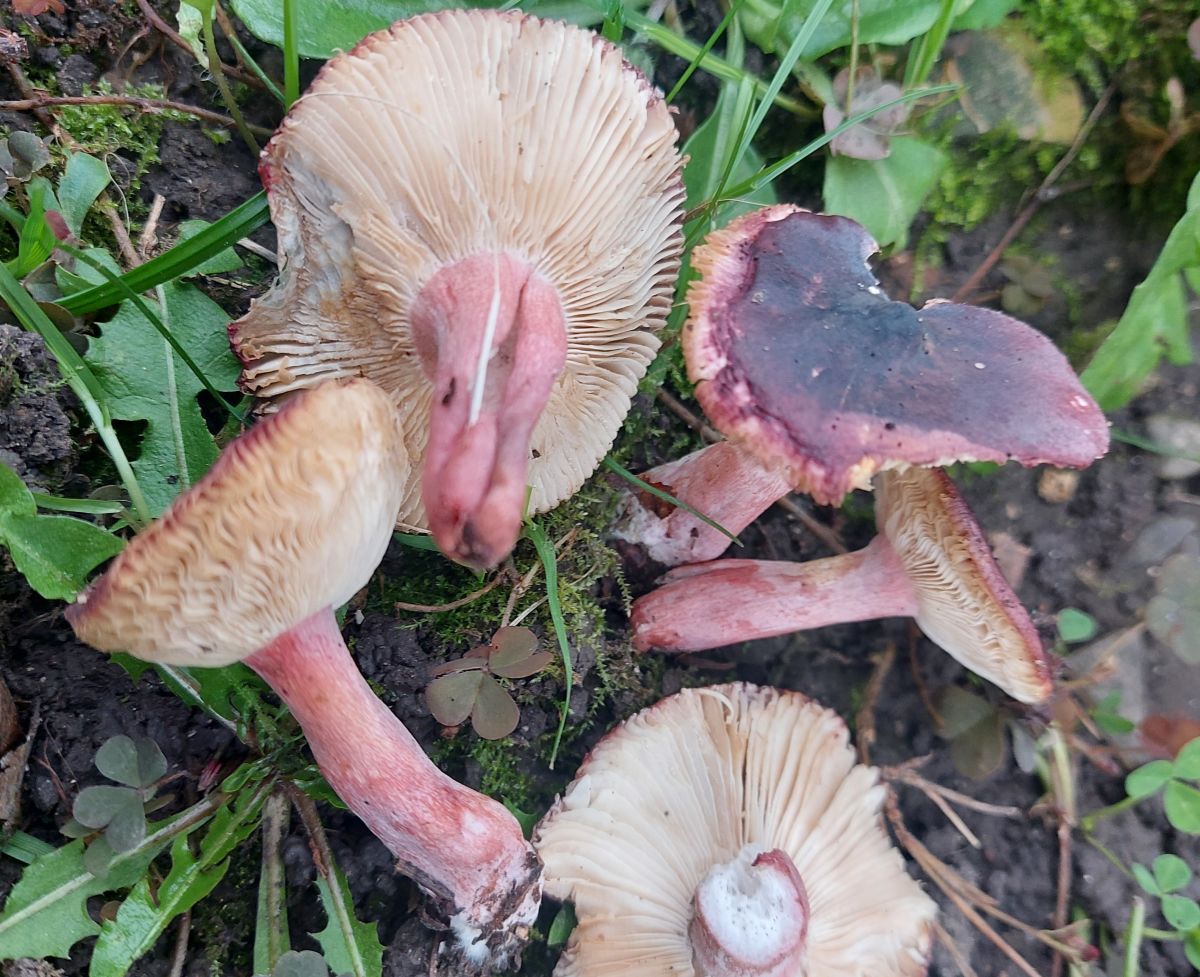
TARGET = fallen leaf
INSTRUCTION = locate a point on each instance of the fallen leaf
(1165, 735)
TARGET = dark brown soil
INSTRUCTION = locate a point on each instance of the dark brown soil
(1097, 550)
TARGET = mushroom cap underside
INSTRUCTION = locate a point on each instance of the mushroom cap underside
(799, 354)
(964, 603)
(490, 132)
(294, 517)
(686, 785)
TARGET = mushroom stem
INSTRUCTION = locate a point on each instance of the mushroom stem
(492, 339)
(723, 481)
(751, 917)
(727, 601)
(463, 847)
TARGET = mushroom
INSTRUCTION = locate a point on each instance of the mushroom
(496, 248)
(820, 380)
(248, 565)
(929, 561)
(728, 832)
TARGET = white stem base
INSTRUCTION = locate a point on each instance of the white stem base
(751, 917)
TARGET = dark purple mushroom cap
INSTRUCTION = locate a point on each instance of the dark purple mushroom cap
(798, 353)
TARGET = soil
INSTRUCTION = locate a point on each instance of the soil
(1094, 542)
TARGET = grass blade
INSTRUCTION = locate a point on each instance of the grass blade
(179, 260)
(545, 551)
(617, 469)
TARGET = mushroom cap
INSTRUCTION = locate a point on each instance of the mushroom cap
(293, 518)
(798, 354)
(458, 133)
(964, 603)
(686, 785)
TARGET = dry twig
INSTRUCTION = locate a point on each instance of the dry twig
(453, 605)
(864, 721)
(152, 106)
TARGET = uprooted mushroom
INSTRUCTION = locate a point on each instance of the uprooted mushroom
(820, 381)
(480, 211)
(728, 832)
(249, 565)
(929, 561)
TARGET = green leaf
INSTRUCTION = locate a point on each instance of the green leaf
(1191, 947)
(771, 26)
(451, 697)
(709, 149)
(191, 23)
(884, 195)
(1173, 614)
(1108, 719)
(1182, 804)
(46, 913)
(983, 14)
(564, 922)
(1148, 779)
(1172, 873)
(1075, 625)
(135, 763)
(146, 381)
(177, 261)
(1145, 879)
(1187, 762)
(83, 181)
(495, 714)
(54, 553)
(118, 810)
(144, 915)
(1181, 912)
(221, 262)
(349, 946)
(1155, 323)
(301, 963)
(975, 730)
(324, 28)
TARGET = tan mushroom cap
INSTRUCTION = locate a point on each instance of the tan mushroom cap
(461, 133)
(685, 786)
(293, 518)
(964, 603)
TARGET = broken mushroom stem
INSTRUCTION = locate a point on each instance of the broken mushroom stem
(723, 481)
(751, 917)
(930, 561)
(486, 878)
(710, 605)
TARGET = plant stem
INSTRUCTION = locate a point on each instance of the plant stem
(1133, 938)
(1089, 822)
(243, 55)
(150, 106)
(80, 379)
(545, 551)
(271, 931)
(930, 47)
(214, 66)
(291, 55)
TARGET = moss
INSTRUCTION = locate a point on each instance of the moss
(105, 129)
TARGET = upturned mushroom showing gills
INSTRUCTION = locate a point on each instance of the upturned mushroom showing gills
(481, 212)
(728, 832)
(249, 565)
(929, 561)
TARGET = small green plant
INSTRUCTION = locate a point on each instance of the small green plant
(1176, 781)
(1076, 626)
(467, 686)
(115, 817)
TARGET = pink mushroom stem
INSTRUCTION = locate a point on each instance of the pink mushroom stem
(462, 846)
(723, 481)
(727, 601)
(751, 917)
(492, 339)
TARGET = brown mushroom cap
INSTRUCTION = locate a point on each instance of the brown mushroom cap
(294, 517)
(798, 354)
(963, 601)
(462, 133)
(687, 785)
